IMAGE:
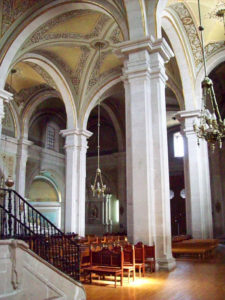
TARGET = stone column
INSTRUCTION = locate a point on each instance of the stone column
(4, 97)
(148, 204)
(21, 162)
(76, 148)
(121, 173)
(197, 179)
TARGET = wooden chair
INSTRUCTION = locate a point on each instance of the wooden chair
(150, 257)
(129, 261)
(140, 258)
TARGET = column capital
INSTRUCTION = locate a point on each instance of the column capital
(76, 138)
(76, 132)
(184, 114)
(187, 119)
(148, 44)
(5, 95)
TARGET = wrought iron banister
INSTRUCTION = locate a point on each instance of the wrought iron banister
(19, 219)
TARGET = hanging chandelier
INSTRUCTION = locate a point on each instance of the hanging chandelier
(98, 187)
(210, 127)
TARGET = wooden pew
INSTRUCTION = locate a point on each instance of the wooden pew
(201, 248)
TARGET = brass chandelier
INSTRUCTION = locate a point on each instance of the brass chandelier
(210, 127)
(98, 187)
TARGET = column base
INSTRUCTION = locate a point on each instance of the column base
(165, 264)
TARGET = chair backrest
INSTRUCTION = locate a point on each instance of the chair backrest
(106, 257)
(149, 251)
(84, 256)
(139, 253)
(129, 254)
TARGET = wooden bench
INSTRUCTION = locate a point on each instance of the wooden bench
(104, 263)
(201, 248)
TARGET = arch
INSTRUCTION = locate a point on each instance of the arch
(52, 10)
(30, 108)
(86, 113)
(119, 135)
(211, 63)
(61, 82)
(136, 19)
(50, 182)
(180, 46)
(154, 10)
(176, 91)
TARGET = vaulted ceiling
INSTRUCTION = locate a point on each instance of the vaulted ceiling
(68, 41)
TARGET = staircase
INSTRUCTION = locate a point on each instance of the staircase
(20, 220)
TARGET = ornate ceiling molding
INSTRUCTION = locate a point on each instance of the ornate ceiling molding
(43, 34)
(48, 79)
(75, 75)
(12, 10)
(191, 31)
(193, 36)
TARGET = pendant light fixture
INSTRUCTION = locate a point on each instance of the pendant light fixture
(98, 187)
(210, 127)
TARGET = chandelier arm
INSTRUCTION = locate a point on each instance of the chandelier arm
(215, 105)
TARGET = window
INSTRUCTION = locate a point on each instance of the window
(51, 138)
(178, 145)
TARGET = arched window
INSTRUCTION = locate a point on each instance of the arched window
(178, 145)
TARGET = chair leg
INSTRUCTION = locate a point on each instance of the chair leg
(143, 268)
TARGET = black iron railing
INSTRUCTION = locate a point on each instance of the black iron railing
(20, 220)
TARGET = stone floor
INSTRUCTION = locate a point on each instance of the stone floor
(191, 280)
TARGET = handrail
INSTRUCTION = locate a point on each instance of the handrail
(33, 208)
(19, 219)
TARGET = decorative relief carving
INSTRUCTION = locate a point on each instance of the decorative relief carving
(75, 75)
(212, 13)
(21, 97)
(213, 47)
(115, 36)
(13, 9)
(191, 31)
(94, 77)
(43, 74)
(42, 33)
(7, 121)
(193, 36)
